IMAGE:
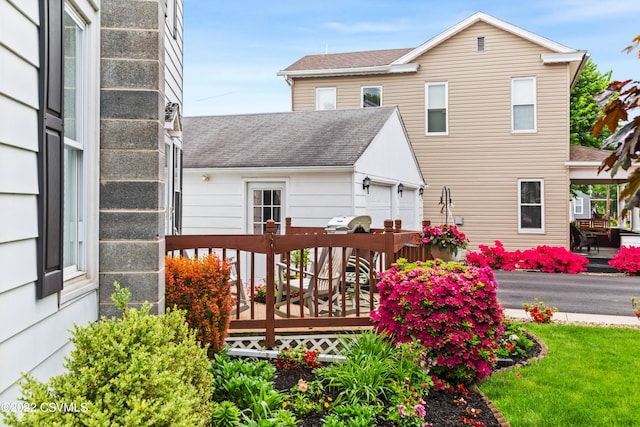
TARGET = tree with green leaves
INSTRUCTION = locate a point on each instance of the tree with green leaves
(618, 101)
(584, 108)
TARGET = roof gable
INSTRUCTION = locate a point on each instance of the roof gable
(482, 17)
(296, 139)
(400, 60)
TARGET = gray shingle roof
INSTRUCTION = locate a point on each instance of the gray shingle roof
(348, 60)
(578, 153)
(304, 138)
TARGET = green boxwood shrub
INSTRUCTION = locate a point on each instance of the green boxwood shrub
(140, 370)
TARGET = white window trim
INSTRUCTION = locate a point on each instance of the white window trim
(80, 283)
(326, 89)
(542, 218)
(535, 106)
(362, 89)
(426, 108)
(578, 203)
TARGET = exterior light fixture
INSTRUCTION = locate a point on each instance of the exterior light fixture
(400, 189)
(421, 190)
(366, 182)
(205, 178)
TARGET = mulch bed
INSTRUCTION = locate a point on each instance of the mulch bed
(444, 409)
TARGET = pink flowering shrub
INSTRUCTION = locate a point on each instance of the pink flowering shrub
(550, 259)
(451, 309)
(496, 257)
(627, 260)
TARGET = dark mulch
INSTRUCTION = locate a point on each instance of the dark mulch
(444, 409)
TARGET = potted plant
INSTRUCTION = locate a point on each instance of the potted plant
(444, 241)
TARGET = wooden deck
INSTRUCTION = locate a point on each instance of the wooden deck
(344, 306)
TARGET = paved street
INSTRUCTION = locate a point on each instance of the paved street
(571, 293)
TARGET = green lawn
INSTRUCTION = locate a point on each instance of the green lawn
(590, 377)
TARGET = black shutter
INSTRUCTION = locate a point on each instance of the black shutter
(51, 150)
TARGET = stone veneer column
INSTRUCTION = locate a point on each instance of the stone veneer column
(132, 178)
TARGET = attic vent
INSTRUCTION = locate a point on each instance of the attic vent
(480, 44)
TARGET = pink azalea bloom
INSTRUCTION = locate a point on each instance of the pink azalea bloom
(420, 410)
(401, 411)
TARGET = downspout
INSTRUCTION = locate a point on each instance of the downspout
(290, 82)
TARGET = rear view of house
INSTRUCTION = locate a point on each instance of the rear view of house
(486, 107)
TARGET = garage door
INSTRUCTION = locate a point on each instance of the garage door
(379, 204)
(408, 210)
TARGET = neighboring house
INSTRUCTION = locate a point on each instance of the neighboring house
(311, 166)
(580, 206)
(486, 107)
(83, 139)
(583, 168)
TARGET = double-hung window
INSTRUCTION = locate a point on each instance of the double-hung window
(523, 104)
(326, 98)
(371, 96)
(74, 144)
(531, 205)
(436, 98)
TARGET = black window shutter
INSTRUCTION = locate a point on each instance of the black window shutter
(51, 150)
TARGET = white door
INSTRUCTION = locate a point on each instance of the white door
(265, 200)
(379, 204)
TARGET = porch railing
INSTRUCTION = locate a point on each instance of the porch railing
(265, 259)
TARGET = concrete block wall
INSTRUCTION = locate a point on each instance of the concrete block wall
(132, 156)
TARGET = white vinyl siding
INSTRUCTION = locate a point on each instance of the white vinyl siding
(371, 96)
(326, 98)
(531, 206)
(523, 104)
(436, 100)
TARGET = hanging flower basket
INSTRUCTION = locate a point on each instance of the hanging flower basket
(444, 241)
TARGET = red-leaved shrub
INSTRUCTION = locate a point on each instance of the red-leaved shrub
(201, 287)
(451, 309)
(550, 259)
(627, 260)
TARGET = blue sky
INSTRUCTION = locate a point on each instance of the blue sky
(234, 48)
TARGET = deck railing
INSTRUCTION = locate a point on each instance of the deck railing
(265, 259)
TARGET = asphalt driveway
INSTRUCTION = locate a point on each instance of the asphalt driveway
(590, 293)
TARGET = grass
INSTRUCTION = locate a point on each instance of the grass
(590, 377)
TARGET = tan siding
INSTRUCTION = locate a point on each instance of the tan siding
(480, 159)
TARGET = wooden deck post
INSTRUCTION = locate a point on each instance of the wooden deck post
(389, 252)
(270, 324)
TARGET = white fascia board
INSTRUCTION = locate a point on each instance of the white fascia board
(561, 58)
(381, 69)
(480, 16)
(583, 164)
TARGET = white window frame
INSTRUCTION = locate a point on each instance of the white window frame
(534, 103)
(363, 88)
(427, 87)
(75, 226)
(532, 230)
(325, 90)
(578, 206)
(82, 278)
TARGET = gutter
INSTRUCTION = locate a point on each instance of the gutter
(358, 71)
